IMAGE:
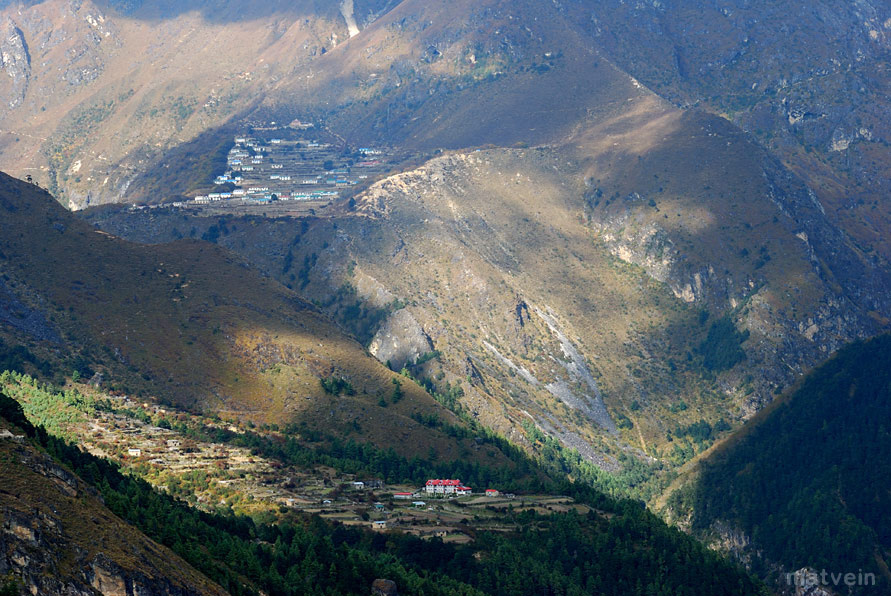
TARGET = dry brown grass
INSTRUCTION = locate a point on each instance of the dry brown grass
(191, 324)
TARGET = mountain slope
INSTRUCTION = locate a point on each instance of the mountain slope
(803, 482)
(99, 92)
(615, 291)
(808, 79)
(644, 273)
(58, 537)
(617, 548)
(187, 323)
(466, 74)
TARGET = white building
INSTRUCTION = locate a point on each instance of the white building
(446, 488)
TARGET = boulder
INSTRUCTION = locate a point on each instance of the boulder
(383, 587)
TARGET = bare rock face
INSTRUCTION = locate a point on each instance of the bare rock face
(106, 579)
(15, 64)
(56, 536)
(400, 340)
(384, 587)
(808, 582)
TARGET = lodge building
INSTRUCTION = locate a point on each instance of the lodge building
(446, 488)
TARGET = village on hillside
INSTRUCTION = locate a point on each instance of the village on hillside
(292, 170)
(267, 168)
(159, 444)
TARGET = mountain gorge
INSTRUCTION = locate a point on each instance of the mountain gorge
(676, 219)
(800, 482)
(577, 286)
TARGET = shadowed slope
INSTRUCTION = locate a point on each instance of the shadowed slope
(58, 535)
(803, 483)
(204, 331)
(656, 272)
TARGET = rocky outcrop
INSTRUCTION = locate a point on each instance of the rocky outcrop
(15, 64)
(400, 340)
(384, 587)
(808, 582)
(56, 536)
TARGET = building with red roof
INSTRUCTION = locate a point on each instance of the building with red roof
(446, 487)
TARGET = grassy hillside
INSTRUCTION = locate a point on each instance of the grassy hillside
(189, 324)
(805, 480)
(693, 275)
(624, 294)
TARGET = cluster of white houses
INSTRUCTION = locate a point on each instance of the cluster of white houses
(270, 169)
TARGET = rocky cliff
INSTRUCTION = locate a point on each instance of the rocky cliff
(15, 64)
(57, 537)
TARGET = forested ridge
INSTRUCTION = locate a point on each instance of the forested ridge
(618, 548)
(809, 481)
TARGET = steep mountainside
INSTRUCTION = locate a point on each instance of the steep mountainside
(187, 323)
(804, 484)
(618, 548)
(609, 291)
(57, 536)
(86, 118)
(428, 76)
(641, 278)
(808, 79)
(95, 94)
(619, 228)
